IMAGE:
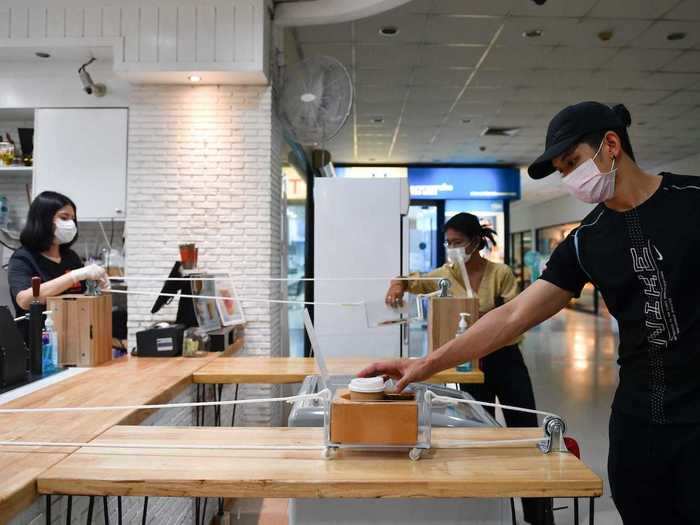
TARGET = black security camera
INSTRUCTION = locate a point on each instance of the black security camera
(88, 85)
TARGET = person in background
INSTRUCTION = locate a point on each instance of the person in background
(505, 373)
(48, 234)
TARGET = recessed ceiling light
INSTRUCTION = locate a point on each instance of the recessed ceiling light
(466, 120)
(605, 36)
(372, 159)
(388, 30)
(378, 120)
(42, 54)
(678, 35)
(194, 78)
(533, 33)
(482, 148)
(641, 123)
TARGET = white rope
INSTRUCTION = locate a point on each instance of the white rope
(153, 446)
(265, 278)
(26, 316)
(320, 395)
(483, 444)
(242, 299)
(445, 399)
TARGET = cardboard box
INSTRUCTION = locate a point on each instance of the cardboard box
(388, 422)
(84, 328)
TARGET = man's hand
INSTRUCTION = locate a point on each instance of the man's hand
(404, 371)
(394, 296)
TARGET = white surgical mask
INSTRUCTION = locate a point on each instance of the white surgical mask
(459, 255)
(588, 184)
(65, 231)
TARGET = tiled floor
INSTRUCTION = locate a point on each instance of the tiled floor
(572, 362)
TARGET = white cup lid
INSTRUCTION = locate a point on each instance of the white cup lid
(367, 385)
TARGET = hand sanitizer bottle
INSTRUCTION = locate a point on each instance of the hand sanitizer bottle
(49, 343)
(461, 328)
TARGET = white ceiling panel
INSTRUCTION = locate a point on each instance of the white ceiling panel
(671, 81)
(325, 34)
(648, 9)
(461, 30)
(423, 95)
(553, 8)
(341, 52)
(684, 98)
(578, 58)
(519, 58)
(641, 59)
(428, 76)
(450, 56)
(554, 31)
(686, 10)
(412, 28)
(656, 36)
(688, 62)
(624, 31)
(383, 76)
(462, 7)
(389, 56)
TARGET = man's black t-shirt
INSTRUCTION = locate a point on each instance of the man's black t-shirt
(24, 265)
(645, 263)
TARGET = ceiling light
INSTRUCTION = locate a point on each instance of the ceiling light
(378, 120)
(388, 30)
(42, 54)
(466, 120)
(533, 33)
(482, 148)
(194, 78)
(679, 35)
(605, 36)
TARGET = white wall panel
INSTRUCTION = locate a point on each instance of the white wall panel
(186, 29)
(75, 22)
(56, 22)
(130, 31)
(4, 22)
(93, 22)
(19, 23)
(244, 23)
(225, 16)
(148, 34)
(167, 34)
(111, 21)
(37, 22)
(206, 33)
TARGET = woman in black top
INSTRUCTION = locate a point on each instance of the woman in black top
(49, 232)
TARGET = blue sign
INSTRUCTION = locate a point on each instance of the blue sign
(440, 183)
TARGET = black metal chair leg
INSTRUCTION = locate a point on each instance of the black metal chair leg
(119, 510)
(105, 509)
(69, 510)
(233, 412)
(591, 512)
(91, 507)
(512, 511)
(196, 511)
(204, 511)
(576, 522)
(48, 509)
(144, 515)
(221, 506)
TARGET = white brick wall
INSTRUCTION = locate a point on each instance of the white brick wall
(205, 167)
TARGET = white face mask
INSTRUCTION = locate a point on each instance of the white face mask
(65, 231)
(588, 184)
(459, 255)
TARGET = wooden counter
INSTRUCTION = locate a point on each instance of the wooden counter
(127, 381)
(492, 472)
(286, 370)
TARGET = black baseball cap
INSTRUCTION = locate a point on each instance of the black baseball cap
(570, 125)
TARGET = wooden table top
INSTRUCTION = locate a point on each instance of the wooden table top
(494, 471)
(286, 370)
(126, 381)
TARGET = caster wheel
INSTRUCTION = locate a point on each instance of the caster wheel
(415, 454)
(327, 453)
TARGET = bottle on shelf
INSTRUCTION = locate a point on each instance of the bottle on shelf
(461, 328)
(49, 345)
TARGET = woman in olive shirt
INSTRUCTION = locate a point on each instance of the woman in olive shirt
(505, 373)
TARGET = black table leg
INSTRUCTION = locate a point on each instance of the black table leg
(512, 511)
(119, 510)
(204, 511)
(105, 509)
(145, 510)
(69, 510)
(196, 511)
(233, 412)
(591, 512)
(48, 509)
(91, 507)
(576, 511)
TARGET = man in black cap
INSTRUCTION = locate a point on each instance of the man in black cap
(640, 247)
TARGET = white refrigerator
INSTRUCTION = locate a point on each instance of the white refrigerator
(360, 230)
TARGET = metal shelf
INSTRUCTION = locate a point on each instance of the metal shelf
(16, 169)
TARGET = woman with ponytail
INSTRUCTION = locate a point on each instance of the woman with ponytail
(505, 373)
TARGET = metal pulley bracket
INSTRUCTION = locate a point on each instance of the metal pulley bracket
(554, 430)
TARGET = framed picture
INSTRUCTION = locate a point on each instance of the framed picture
(230, 309)
(205, 309)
